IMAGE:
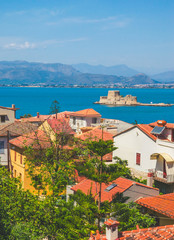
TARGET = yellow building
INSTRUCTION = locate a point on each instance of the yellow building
(17, 157)
(43, 137)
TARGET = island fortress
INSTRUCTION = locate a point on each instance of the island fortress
(114, 98)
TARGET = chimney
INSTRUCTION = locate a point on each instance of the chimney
(150, 179)
(37, 114)
(13, 106)
(111, 229)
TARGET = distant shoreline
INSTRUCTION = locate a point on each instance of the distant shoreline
(160, 86)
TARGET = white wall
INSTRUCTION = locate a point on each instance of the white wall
(132, 142)
(3, 157)
(135, 141)
(81, 122)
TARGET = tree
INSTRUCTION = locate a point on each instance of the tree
(28, 115)
(54, 108)
(129, 215)
(95, 169)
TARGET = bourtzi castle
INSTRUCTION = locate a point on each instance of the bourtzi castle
(115, 98)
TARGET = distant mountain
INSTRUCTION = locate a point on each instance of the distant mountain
(22, 72)
(141, 78)
(118, 70)
(166, 77)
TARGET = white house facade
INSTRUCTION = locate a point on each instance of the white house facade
(148, 152)
(83, 118)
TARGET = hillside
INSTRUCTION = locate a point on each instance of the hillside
(166, 77)
(22, 72)
(119, 70)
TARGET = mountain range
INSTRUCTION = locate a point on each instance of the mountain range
(118, 70)
(23, 72)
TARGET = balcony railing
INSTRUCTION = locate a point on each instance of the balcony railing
(161, 176)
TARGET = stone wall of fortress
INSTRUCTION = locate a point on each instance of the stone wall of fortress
(115, 98)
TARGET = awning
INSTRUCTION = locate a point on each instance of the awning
(166, 156)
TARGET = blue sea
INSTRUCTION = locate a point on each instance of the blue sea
(33, 100)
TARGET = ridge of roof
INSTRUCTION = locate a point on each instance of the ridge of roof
(9, 108)
(147, 130)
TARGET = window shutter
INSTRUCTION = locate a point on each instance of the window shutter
(138, 158)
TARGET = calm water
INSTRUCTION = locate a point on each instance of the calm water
(33, 100)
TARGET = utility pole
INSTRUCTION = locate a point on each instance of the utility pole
(8, 150)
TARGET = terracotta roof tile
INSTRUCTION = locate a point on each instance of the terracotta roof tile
(168, 125)
(163, 204)
(17, 128)
(86, 113)
(60, 125)
(163, 232)
(147, 129)
(95, 134)
(32, 139)
(122, 184)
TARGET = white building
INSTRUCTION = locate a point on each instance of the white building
(149, 148)
(83, 118)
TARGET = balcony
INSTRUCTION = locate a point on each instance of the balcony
(162, 177)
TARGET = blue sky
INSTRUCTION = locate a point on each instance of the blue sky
(138, 33)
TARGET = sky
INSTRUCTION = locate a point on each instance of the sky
(138, 33)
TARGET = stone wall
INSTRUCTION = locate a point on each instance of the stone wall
(115, 98)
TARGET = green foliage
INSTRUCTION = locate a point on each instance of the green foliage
(51, 168)
(26, 116)
(101, 147)
(129, 215)
(55, 107)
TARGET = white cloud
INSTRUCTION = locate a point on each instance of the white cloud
(17, 45)
(108, 22)
(25, 45)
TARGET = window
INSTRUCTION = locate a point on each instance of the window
(15, 156)
(21, 159)
(14, 173)
(110, 187)
(1, 147)
(138, 158)
(3, 118)
(94, 120)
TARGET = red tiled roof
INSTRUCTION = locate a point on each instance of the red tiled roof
(168, 125)
(147, 129)
(60, 125)
(163, 204)
(111, 222)
(96, 134)
(88, 185)
(40, 118)
(86, 113)
(153, 233)
(16, 129)
(64, 114)
(36, 139)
